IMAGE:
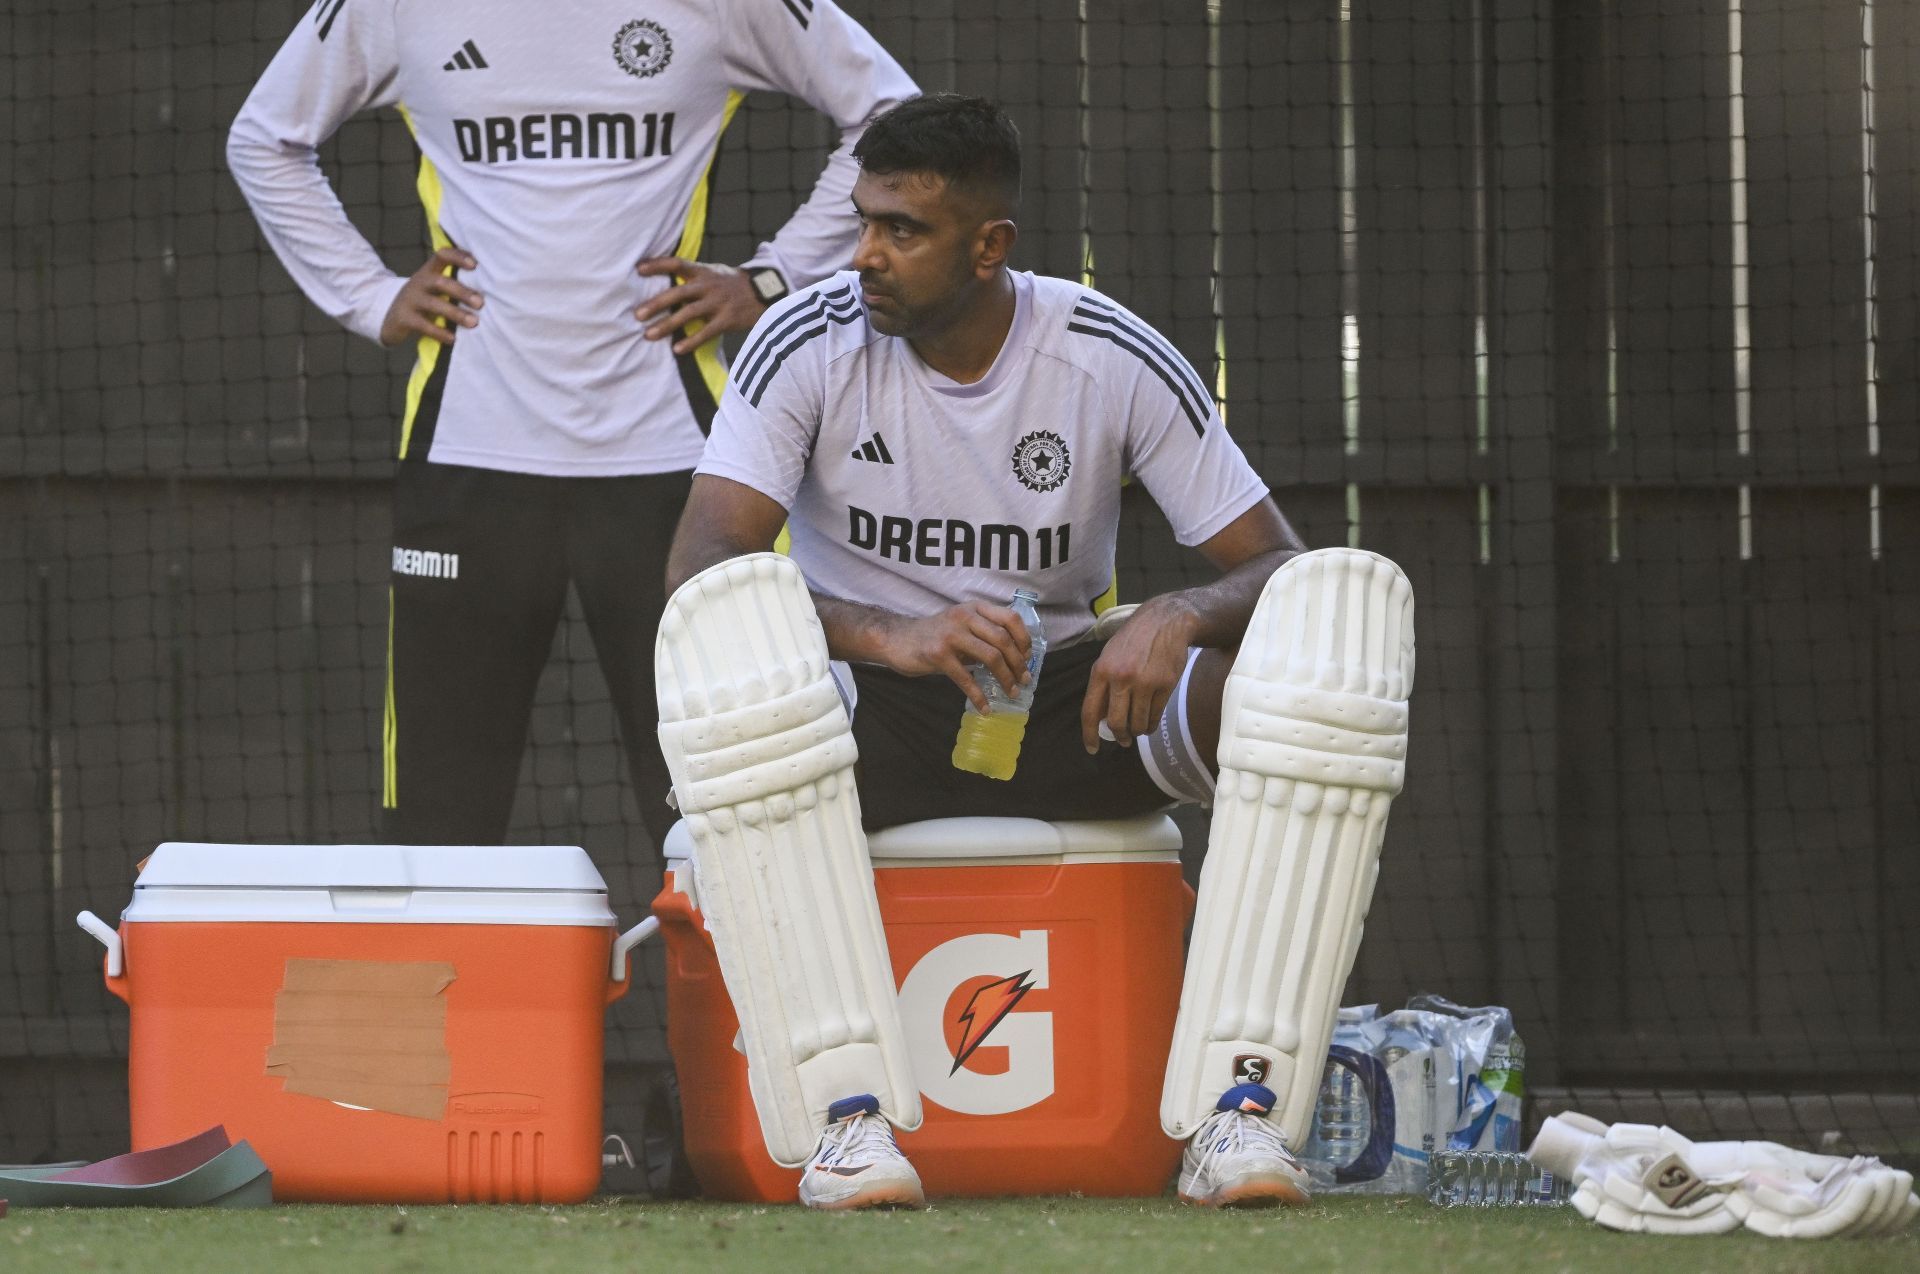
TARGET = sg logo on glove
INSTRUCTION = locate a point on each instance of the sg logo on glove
(945, 1029)
(1672, 1182)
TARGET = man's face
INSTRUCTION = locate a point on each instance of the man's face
(918, 239)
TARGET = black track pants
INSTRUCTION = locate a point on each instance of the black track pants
(481, 564)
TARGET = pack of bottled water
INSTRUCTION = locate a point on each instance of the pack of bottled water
(1405, 1086)
(1492, 1179)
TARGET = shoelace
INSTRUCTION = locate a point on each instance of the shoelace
(1241, 1131)
(861, 1139)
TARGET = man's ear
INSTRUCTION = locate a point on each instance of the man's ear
(993, 245)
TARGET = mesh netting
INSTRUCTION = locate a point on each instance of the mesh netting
(1597, 315)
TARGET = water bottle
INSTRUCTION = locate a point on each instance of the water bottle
(1351, 1141)
(989, 742)
(1492, 1179)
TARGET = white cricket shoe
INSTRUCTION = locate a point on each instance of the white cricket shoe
(1239, 1159)
(858, 1164)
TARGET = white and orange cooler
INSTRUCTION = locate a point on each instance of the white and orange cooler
(382, 1023)
(1039, 967)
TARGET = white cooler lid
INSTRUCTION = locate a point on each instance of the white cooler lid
(946, 842)
(178, 863)
(438, 884)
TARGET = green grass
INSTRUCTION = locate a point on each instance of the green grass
(1338, 1236)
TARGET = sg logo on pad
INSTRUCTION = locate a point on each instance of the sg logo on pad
(944, 1030)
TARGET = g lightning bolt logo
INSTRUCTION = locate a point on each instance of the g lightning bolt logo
(986, 1008)
(995, 1013)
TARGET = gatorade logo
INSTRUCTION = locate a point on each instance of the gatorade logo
(963, 996)
(986, 1008)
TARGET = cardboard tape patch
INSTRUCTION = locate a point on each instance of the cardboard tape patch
(369, 1033)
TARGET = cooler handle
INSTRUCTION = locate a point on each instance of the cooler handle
(110, 939)
(626, 942)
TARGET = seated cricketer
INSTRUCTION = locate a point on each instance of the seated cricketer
(938, 430)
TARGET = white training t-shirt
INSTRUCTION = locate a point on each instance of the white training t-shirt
(911, 492)
(560, 144)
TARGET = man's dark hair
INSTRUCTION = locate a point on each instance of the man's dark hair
(967, 140)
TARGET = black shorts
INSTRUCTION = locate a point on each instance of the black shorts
(905, 727)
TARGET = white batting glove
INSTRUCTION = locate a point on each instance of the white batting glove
(1818, 1196)
(1646, 1179)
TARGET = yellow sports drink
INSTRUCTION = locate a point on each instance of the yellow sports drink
(989, 742)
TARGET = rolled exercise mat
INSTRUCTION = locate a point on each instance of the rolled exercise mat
(204, 1171)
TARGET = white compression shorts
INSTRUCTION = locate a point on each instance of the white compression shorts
(1173, 761)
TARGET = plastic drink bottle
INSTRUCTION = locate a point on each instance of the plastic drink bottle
(1493, 1179)
(1351, 1140)
(989, 742)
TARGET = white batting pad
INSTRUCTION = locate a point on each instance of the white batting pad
(1313, 741)
(761, 753)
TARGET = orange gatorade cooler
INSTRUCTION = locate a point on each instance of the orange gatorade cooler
(417, 1024)
(1039, 967)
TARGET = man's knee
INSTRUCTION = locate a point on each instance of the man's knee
(1208, 686)
(1179, 752)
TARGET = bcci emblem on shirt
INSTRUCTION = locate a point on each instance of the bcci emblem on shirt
(1041, 460)
(643, 48)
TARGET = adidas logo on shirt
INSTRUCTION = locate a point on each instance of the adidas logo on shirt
(874, 449)
(466, 58)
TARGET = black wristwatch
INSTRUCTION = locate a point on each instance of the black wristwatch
(768, 284)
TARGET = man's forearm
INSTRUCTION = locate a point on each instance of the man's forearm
(303, 221)
(856, 633)
(696, 548)
(1218, 612)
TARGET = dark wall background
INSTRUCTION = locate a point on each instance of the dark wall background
(1618, 361)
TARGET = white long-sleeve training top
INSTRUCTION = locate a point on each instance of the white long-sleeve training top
(561, 143)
